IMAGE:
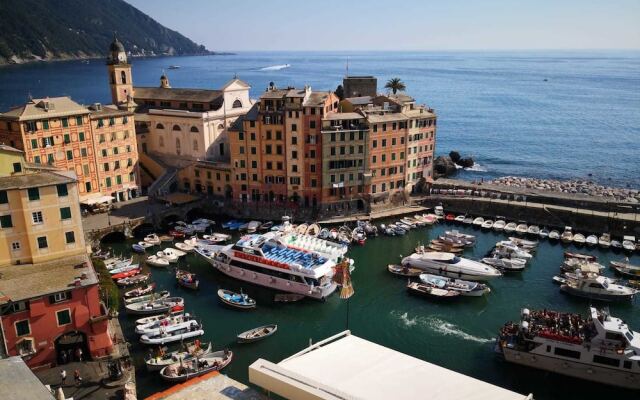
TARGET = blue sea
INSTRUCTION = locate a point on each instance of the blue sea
(544, 114)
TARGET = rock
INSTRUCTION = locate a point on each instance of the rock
(455, 156)
(443, 166)
(466, 162)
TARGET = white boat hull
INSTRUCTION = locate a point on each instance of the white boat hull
(273, 282)
(170, 339)
(608, 376)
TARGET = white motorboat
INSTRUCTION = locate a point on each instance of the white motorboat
(597, 287)
(253, 226)
(629, 243)
(167, 326)
(204, 364)
(408, 222)
(554, 235)
(458, 238)
(152, 239)
(525, 244)
(125, 268)
(465, 288)
(567, 235)
(156, 307)
(118, 262)
(604, 240)
(216, 237)
(154, 318)
(203, 221)
(171, 257)
(506, 249)
(302, 229)
(182, 246)
(468, 220)
(156, 261)
(438, 211)
(598, 347)
(522, 229)
(499, 225)
(579, 239)
(155, 325)
(459, 218)
(313, 230)
(170, 252)
(173, 336)
(147, 297)
(533, 230)
(487, 224)
(544, 233)
(268, 260)
(450, 265)
(145, 244)
(616, 244)
(508, 264)
(188, 352)
(478, 221)
(510, 227)
(591, 240)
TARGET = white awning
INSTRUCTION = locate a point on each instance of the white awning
(97, 200)
(348, 367)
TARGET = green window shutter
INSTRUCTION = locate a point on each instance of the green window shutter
(62, 190)
(34, 194)
(45, 124)
(5, 221)
(81, 136)
(65, 213)
(69, 154)
(3, 197)
(34, 143)
(70, 237)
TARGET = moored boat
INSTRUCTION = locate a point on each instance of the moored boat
(478, 221)
(147, 297)
(236, 300)
(450, 265)
(191, 330)
(140, 291)
(133, 280)
(431, 291)
(591, 240)
(508, 264)
(465, 288)
(521, 229)
(554, 235)
(510, 227)
(155, 307)
(126, 274)
(187, 352)
(597, 287)
(255, 334)
(544, 233)
(202, 365)
(487, 224)
(157, 261)
(579, 239)
(403, 270)
(152, 239)
(604, 240)
(187, 279)
(499, 225)
(567, 235)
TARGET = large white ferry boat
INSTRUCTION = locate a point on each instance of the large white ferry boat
(599, 348)
(268, 260)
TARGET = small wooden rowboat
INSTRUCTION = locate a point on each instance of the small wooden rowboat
(585, 257)
(236, 300)
(187, 279)
(133, 280)
(140, 291)
(431, 292)
(402, 270)
(126, 274)
(255, 334)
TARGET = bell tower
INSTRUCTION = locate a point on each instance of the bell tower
(119, 75)
(164, 81)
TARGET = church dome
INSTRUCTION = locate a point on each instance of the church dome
(116, 46)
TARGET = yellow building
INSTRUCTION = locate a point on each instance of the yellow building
(40, 216)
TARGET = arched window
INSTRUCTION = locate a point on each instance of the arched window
(161, 141)
(194, 129)
(195, 145)
(123, 77)
(178, 146)
(237, 104)
(176, 128)
(220, 127)
(159, 126)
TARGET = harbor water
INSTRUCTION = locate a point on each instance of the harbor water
(458, 335)
(558, 114)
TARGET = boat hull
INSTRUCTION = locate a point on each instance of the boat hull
(273, 282)
(594, 373)
(596, 296)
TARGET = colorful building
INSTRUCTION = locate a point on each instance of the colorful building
(49, 300)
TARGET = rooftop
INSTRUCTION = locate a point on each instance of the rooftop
(316, 99)
(19, 383)
(46, 108)
(335, 116)
(29, 180)
(211, 386)
(387, 117)
(367, 371)
(178, 94)
(4, 147)
(108, 111)
(359, 101)
(25, 281)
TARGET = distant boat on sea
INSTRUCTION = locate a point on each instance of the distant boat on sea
(174, 66)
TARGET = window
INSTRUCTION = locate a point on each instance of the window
(34, 143)
(106, 166)
(268, 149)
(62, 190)
(5, 221)
(294, 155)
(254, 150)
(312, 124)
(237, 104)
(3, 197)
(36, 159)
(59, 297)
(85, 169)
(78, 120)
(36, 216)
(606, 361)
(176, 128)
(64, 317)
(42, 242)
(47, 142)
(194, 129)
(103, 152)
(159, 126)
(87, 187)
(567, 353)
(375, 144)
(294, 128)
(32, 126)
(65, 213)
(23, 328)
(115, 150)
(45, 124)
(70, 237)
(34, 194)
(50, 159)
(67, 138)
(17, 167)
(83, 152)
(108, 182)
(69, 154)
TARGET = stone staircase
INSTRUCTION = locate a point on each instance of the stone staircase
(161, 186)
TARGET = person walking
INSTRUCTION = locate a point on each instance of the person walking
(63, 377)
(76, 377)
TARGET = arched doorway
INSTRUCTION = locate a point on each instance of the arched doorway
(69, 343)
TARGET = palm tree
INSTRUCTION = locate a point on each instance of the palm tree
(395, 84)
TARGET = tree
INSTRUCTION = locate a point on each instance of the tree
(340, 92)
(395, 84)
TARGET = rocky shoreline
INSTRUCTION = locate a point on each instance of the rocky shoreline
(577, 186)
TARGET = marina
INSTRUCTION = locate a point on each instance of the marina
(383, 311)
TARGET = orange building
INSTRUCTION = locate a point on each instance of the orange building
(276, 148)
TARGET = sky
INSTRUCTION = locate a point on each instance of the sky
(270, 25)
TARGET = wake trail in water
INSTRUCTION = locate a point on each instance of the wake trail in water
(475, 168)
(275, 67)
(437, 325)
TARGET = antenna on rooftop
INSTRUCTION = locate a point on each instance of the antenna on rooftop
(347, 73)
